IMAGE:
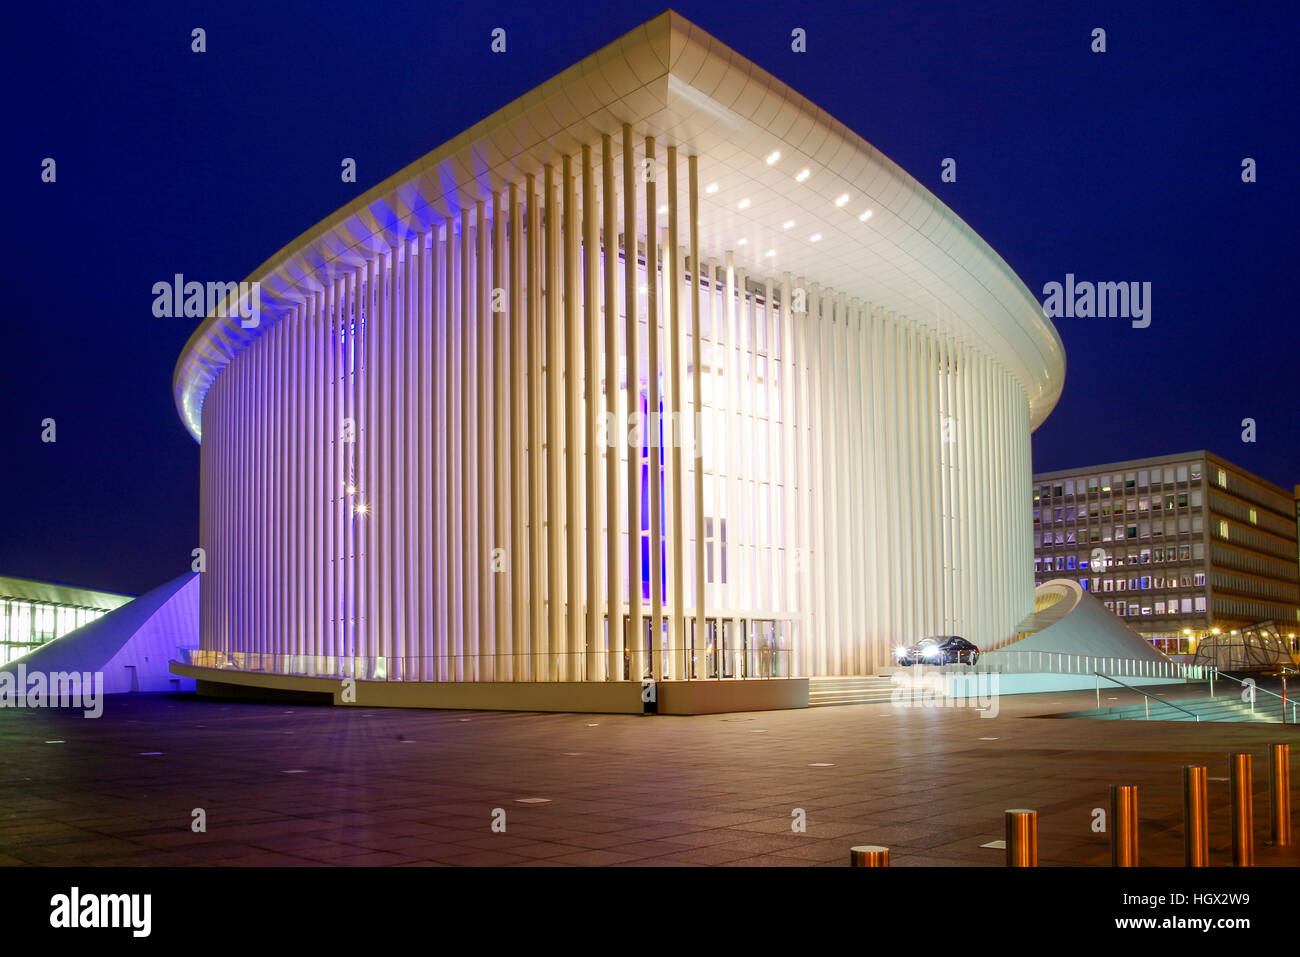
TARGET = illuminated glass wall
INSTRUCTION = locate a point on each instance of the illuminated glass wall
(26, 625)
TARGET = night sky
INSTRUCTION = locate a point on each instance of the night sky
(1122, 166)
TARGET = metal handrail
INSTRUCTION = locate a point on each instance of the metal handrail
(1224, 674)
(1148, 697)
(1254, 686)
(1010, 660)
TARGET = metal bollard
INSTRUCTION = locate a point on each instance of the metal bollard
(1123, 825)
(1243, 811)
(868, 855)
(1196, 817)
(1022, 837)
(1279, 794)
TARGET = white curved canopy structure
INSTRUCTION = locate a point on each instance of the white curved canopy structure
(914, 257)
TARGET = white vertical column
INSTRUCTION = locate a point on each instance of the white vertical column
(446, 558)
(571, 664)
(712, 463)
(369, 452)
(676, 580)
(787, 553)
(911, 487)
(281, 518)
(752, 470)
(483, 482)
(854, 574)
(539, 647)
(654, 471)
(501, 434)
(818, 422)
(465, 447)
(344, 438)
(900, 578)
(320, 489)
(518, 338)
(458, 264)
(330, 478)
(727, 525)
(396, 513)
(635, 639)
(967, 523)
(985, 496)
(294, 452)
(860, 658)
(615, 436)
(594, 656)
(918, 518)
(697, 396)
(344, 487)
(428, 245)
(554, 440)
(408, 535)
(841, 632)
(750, 597)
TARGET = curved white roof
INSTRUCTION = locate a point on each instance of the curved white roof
(669, 79)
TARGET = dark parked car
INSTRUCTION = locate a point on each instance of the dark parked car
(938, 650)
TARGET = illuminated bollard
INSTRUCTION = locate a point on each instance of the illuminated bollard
(868, 855)
(1123, 825)
(1279, 794)
(1196, 817)
(1022, 838)
(1243, 812)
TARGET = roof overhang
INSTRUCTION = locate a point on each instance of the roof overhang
(669, 79)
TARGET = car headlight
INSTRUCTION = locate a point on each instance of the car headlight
(901, 651)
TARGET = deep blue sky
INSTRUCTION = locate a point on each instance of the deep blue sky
(1122, 166)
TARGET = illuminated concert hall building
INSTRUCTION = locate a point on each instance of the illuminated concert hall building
(658, 371)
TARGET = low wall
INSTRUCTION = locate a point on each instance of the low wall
(718, 697)
(602, 697)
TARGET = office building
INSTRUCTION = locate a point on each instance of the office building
(1176, 545)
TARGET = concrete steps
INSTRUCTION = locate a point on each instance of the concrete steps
(856, 689)
(1219, 708)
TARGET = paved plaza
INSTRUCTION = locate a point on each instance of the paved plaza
(308, 785)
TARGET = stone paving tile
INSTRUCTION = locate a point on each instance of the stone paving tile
(88, 852)
(264, 860)
(216, 852)
(717, 835)
(594, 858)
(484, 859)
(649, 849)
(147, 859)
(758, 844)
(601, 841)
(816, 851)
(660, 791)
(331, 852)
(543, 851)
(713, 854)
(435, 853)
(549, 864)
(375, 859)
(495, 842)
(766, 860)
